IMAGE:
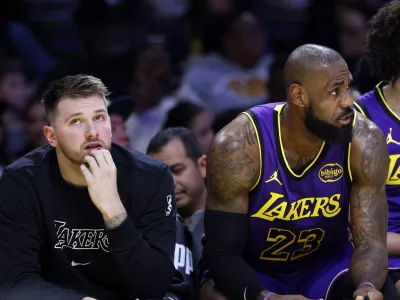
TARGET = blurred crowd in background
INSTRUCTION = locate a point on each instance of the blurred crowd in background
(167, 63)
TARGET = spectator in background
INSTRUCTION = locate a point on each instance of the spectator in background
(194, 117)
(235, 71)
(180, 150)
(276, 83)
(224, 118)
(35, 119)
(151, 87)
(15, 92)
(119, 110)
(200, 14)
(352, 25)
(14, 86)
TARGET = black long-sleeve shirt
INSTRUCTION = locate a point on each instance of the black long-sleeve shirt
(53, 243)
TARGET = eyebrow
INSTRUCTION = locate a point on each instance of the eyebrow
(339, 82)
(176, 165)
(102, 110)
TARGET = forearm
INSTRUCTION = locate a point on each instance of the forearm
(369, 265)
(393, 244)
(33, 287)
(234, 277)
(225, 239)
(144, 270)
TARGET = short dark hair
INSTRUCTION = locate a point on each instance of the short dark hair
(188, 139)
(73, 86)
(182, 114)
(382, 46)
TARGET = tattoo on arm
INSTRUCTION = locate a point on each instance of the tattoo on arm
(368, 205)
(115, 221)
(232, 167)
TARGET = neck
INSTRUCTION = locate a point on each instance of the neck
(395, 85)
(294, 133)
(70, 171)
(392, 93)
(198, 204)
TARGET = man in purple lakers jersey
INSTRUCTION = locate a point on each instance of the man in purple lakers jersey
(382, 106)
(281, 178)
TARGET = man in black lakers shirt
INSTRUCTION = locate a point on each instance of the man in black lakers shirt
(84, 217)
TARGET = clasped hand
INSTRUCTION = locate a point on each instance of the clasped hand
(369, 291)
(101, 177)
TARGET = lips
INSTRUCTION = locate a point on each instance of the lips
(93, 145)
(344, 117)
(348, 115)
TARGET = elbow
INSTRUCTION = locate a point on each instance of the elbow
(152, 280)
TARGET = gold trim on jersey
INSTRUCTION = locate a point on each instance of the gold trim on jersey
(278, 108)
(380, 92)
(359, 108)
(349, 151)
(259, 149)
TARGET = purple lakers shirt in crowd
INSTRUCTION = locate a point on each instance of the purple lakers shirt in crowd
(298, 219)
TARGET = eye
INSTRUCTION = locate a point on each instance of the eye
(335, 92)
(99, 118)
(75, 121)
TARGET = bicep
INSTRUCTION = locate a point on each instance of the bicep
(368, 203)
(232, 167)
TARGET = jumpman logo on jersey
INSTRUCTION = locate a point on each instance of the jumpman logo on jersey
(274, 177)
(390, 139)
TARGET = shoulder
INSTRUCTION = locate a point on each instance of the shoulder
(142, 165)
(238, 131)
(369, 153)
(31, 164)
(366, 133)
(367, 96)
(235, 151)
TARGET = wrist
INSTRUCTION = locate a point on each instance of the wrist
(114, 216)
(112, 209)
(366, 284)
(267, 295)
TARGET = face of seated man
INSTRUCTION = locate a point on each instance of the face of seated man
(119, 134)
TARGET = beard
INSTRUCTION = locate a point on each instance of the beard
(77, 156)
(329, 132)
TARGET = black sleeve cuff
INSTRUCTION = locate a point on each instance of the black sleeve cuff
(123, 236)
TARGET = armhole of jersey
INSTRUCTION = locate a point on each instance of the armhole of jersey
(254, 121)
(350, 176)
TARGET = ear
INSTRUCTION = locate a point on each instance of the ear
(50, 136)
(201, 164)
(298, 95)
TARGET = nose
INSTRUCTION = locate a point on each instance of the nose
(346, 101)
(91, 130)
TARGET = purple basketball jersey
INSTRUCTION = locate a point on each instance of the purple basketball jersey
(298, 219)
(373, 105)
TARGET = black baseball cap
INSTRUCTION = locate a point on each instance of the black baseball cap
(121, 105)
